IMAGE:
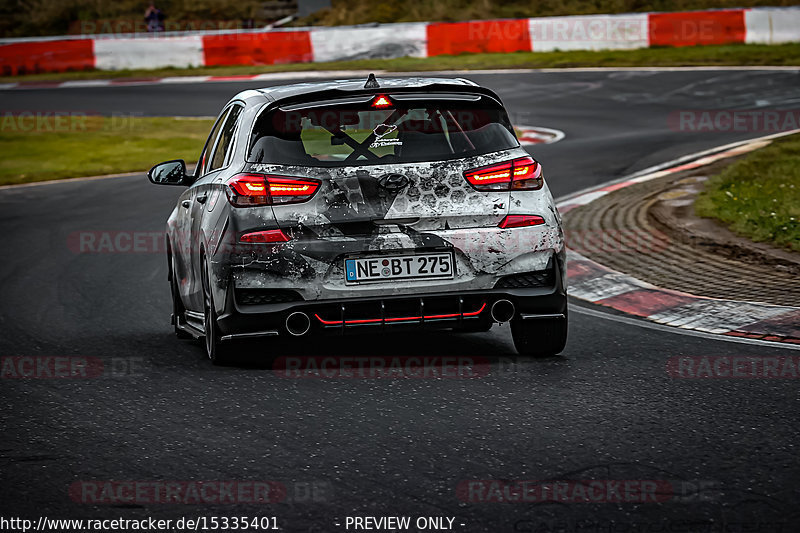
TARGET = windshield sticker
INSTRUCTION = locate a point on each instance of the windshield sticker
(381, 131)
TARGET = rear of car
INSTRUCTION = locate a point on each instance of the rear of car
(388, 207)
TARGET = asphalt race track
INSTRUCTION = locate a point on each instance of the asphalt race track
(605, 410)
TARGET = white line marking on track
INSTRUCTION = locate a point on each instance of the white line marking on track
(604, 286)
(645, 174)
(718, 316)
(69, 180)
(86, 83)
(185, 79)
(678, 331)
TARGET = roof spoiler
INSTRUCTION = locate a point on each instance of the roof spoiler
(335, 93)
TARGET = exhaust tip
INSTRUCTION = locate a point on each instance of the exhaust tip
(502, 311)
(298, 324)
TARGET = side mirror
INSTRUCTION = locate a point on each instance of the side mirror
(168, 173)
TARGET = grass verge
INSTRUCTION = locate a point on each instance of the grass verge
(88, 146)
(722, 55)
(759, 196)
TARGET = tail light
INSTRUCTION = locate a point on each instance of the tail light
(520, 221)
(264, 237)
(523, 174)
(249, 190)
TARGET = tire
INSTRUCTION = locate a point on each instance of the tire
(177, 304)
(539, 338)
(218, 352)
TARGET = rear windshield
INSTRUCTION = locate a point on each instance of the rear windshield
(362, 134)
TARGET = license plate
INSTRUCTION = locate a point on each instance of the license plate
(399, 267)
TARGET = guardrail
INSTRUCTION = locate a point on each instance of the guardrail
(424, 39)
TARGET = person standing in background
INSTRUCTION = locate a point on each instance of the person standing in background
(154, 18)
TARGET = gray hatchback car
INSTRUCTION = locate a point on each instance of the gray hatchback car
(347, 206)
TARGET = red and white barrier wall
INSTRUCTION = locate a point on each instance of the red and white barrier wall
(589, 32)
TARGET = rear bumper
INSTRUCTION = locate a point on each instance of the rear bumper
(433, 310)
